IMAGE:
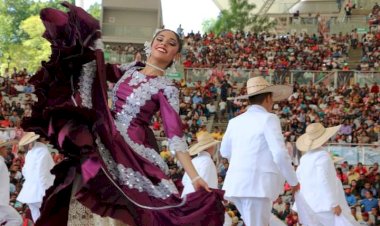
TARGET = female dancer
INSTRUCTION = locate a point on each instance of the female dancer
(114, 152)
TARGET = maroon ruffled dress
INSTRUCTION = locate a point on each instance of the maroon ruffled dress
(114, 150)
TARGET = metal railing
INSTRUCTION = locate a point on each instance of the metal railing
(330, 78)
(367, 154)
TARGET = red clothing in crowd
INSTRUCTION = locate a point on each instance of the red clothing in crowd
(187, 63)
(342, 177)
(156, 125)
(361, 170)
(5, 123)
(375, 89)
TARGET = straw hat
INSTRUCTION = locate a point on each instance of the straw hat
(316, 135)
(205, 140)
(4, 143)
(258, 85)
(28, 138)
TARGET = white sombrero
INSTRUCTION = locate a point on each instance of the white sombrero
(205, 140)
(316, 135)
(28, 138)
(258, 85)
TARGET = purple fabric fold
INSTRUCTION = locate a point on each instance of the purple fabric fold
(74, 129)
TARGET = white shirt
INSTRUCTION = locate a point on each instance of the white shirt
(222, 105)
(321, 189)
(259, 161)
(36, 171)
(211, 108)
(4, 183)
(318, 180)
(206, 170)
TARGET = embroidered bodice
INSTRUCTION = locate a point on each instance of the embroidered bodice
(136, 98)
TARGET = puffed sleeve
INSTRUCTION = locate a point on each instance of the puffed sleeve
(169, 108)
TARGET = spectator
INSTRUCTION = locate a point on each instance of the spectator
(341, 176)
(375, 88)
(361, 169)
(369, 202)
(350, 198)
(165, 153)
(365, 220)
(368, 187)
(352, 174)
(374, 216)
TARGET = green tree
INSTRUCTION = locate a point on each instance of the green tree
(20, 33)
(95, 10)
(35, 47)
(239, 17)
(208, 25)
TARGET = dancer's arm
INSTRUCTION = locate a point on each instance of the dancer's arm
(173, 129)
(185, 160)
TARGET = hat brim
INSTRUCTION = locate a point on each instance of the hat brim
(28, 140)
(7, 143)
(303, 141)
(280, 92)
(196, 148)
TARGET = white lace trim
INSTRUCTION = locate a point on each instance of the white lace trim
(86, 79)
(177, 144)
(133, 179)
(125, 67)
(148, 153)
(107, 159)
(129, 111)
(172, 94)
(137, 78)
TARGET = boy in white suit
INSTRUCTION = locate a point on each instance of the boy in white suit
(36, 171)
(8, 215)
(321, 189)
(203, 162)
(259, 161)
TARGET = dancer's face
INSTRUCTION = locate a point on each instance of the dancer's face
(165, 46)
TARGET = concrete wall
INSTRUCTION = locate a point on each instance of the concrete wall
(130, 21)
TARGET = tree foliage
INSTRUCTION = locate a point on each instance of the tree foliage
(95, 10)
(21, 30)
(239, 17)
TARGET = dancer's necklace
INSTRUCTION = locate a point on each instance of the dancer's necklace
(155, 67)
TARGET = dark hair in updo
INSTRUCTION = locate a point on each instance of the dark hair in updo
(179, 41)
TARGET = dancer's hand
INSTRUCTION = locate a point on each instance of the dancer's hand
(337, 210)
(296, 188)
(200, 183)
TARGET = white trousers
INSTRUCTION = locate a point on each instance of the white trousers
(254, 211)
(9, 215)
(35, 210)
(326, 218)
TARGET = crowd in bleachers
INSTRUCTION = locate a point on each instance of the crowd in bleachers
(16, 100)
(374, 15)
(356, 107)
(202, 103)
(265, 51)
